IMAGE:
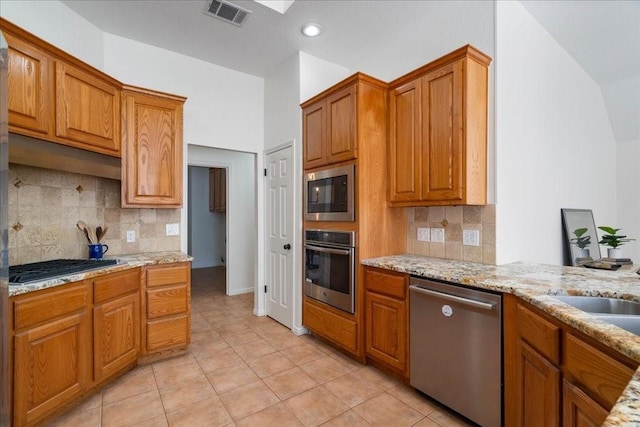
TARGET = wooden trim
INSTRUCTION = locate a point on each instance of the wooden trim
(152, 92)
(354, 78)
(468, 51)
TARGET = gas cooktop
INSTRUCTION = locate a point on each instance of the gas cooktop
(26, 273)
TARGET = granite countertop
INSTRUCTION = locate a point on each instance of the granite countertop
(125, 262)
(536, 283)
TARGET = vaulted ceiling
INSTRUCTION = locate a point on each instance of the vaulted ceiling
(602, 36)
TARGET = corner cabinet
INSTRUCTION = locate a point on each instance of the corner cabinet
(329, 127)
(438, 132)
(387, 319)
(558, 377)
(152, 149)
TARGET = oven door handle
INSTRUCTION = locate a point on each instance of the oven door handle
(328, 250)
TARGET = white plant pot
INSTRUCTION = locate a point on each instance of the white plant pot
(614, 253)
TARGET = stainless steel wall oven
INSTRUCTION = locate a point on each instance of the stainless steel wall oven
(330, 267)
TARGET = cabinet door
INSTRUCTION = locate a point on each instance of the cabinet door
(151, 151)
(538, 392)
(217, 189)
(442, 134)
(341, 125)
(87, 110)
(314, 136)
(405, 143)
(386, 328)
(30, 92)
(116, 335)
(579, 410)
(52, 366)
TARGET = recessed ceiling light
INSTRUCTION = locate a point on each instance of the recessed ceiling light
(311, 30)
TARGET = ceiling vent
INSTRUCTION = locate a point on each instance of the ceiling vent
(227, 12)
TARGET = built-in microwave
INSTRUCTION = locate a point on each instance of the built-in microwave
(329, 194)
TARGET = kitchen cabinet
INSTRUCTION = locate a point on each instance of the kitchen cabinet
(116, 323)
(346, 126)
(330, 126)
(55, 97)
(386, 317)
(152, 149)
(30, 98)
(87, 109)
(166, 308)
(559, 374)
(217, 189)
(438, 132)
(52, 350)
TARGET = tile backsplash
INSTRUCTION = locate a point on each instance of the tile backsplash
(45, 206)
(454, 219)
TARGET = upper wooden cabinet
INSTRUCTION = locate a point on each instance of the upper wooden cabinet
(31, 95)
(217, 189)
(151, 149)
(56, 97)
(438, 132)
(87, 110)
(331, 121)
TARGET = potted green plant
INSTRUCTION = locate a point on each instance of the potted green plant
(581, 241)
(613, 240)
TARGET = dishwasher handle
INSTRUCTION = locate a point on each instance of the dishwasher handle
(454, 298)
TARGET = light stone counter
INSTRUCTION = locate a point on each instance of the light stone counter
(535, 283)
(125, 262)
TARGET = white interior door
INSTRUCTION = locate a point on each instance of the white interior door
(280, 224)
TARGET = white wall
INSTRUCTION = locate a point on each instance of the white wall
(55, 23)
(224, 108)
(317, 75)
(629, 196)
(555, 146)
(242, 228)
(207, 230)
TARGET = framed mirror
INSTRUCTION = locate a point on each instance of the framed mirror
(580, 236)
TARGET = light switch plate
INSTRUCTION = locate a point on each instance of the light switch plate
(424, 234)
(173, 229)
(131, 236)
(437, 235)
(471, 237)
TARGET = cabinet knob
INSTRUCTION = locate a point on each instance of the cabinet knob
(287, 246)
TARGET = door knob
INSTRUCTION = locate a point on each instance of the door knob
(287, 246)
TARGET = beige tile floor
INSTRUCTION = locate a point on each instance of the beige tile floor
(243, 370)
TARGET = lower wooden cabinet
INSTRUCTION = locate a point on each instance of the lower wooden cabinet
(52, 351)
(554, 375)
(578, 409)
(386, 319)
(538, 392)
(167, 299)
(329, 323)
(116, 323)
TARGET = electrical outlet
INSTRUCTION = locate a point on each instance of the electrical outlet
(437, 235)
(423, 234)
(471, 237)
(131, 236)
(172, 229)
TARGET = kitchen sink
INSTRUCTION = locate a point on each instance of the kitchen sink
(627, 322)
(600, 305)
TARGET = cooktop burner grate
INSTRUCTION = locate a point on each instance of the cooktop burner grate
(25, 273)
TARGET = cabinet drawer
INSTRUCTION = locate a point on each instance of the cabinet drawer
(169, 333)
(115, 285)
(161, 276)
(393, 285)
(166, 301)
(49, 305)
(541, 334)
(332, 326)
(595, 371)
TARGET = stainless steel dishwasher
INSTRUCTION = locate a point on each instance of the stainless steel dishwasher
(456, 348)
